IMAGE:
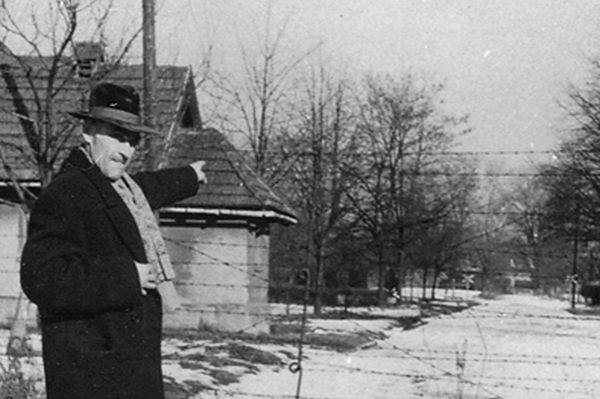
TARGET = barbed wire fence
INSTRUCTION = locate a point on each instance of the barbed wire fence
(433, 358)
(439, 361)
(487, 383)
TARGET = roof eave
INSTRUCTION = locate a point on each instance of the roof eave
(202, 211)
(24, 183)
(243, 213)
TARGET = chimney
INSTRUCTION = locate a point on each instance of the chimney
(89, 57)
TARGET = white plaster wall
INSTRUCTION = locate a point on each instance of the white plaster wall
(12, 235)
(222, 277)
(211, 264)
(258, 268)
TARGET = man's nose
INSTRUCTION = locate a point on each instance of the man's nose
(126, 150)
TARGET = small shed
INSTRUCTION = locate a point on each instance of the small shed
(219, 239)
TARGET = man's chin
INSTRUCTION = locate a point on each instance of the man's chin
(114, 175)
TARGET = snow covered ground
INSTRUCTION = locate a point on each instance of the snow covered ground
(510, 347)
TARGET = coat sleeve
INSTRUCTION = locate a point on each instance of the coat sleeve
(57, 273)
(166, 186)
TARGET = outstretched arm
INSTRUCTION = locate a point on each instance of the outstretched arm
(167, 186)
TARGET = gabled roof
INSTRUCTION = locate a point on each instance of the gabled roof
(232, 184)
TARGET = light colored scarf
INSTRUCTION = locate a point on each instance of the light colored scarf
(156, 250)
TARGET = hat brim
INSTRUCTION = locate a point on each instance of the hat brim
(124, 125)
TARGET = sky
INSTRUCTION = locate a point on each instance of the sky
(505, 63)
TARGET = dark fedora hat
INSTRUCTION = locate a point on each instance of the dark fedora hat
(118, 105)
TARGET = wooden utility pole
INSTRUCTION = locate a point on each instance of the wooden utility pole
(149, 49)
(149, 71)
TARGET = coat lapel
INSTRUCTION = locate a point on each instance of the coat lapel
(116, 210)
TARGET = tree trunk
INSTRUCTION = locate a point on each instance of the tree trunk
(424, 284)
(433, 284)
(318, 304)
(381, 277)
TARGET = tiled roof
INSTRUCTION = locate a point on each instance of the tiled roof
(232, 184)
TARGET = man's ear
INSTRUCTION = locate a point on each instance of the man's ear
(87, 131)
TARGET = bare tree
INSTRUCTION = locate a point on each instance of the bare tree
(570, 181)
(257, 105)
(324, 134)
(42, 75)
(528, 200)
(402, 126)
(491, 216)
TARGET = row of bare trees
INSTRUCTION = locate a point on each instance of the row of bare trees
(367, 163)
(571, 182)
(549, 219)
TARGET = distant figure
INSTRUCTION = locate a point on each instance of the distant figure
(393, 297)
(95, 263)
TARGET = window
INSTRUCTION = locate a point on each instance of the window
(187, 120)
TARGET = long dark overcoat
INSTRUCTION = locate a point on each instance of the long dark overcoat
(100, 336)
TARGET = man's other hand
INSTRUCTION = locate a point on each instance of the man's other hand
(148, 278)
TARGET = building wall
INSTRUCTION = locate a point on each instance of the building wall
(222, 277)
(12, 235)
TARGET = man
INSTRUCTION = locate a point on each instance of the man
(94, 261)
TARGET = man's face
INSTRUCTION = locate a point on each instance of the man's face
(111, 148)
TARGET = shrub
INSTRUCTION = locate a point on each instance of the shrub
(591, 292)
(13, 383)
(252, 355)
(338, 341)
